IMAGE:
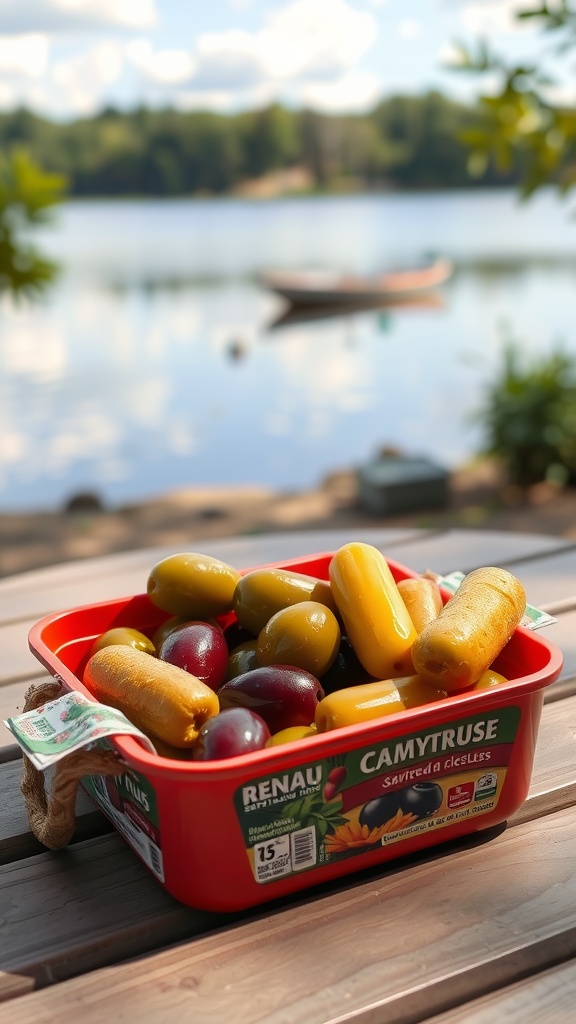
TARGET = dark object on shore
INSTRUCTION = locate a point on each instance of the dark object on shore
(84, 501)
(393, 484)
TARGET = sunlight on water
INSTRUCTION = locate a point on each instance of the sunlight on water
(154, 362)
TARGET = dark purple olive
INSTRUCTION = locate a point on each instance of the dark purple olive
(345, 671)
(236, 634)
(378, 811)
(231, 732)
(421, 799)
(198, 648)
(283, 695)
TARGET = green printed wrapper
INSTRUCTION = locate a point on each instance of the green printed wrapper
(71, 722)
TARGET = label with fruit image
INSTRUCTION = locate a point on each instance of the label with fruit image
(130, 802)
(325, 810)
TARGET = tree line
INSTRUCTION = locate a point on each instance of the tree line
(405, 142)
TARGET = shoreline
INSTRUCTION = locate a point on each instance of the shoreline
(191, 516)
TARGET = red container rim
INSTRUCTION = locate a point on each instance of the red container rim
(321, 745)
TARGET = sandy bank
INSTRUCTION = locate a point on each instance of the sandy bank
(193, 516)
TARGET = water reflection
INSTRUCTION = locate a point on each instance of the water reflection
(297, 314)
(134, 376)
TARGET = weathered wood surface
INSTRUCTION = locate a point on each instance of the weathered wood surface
(403, 945)
(544, 998)
(39, 945)
(16, 840)
(455, 932)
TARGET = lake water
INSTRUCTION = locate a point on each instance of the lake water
(154, 362)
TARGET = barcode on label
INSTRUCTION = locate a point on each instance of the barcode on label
(303, 845)
(156, 861)
(44, 728)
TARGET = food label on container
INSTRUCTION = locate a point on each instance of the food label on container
(325, 810)
(129, 801)
(71, 722)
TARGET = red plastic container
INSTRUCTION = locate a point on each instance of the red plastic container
(230, 834)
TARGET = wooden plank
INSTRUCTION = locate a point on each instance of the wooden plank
(553, 784)
(551, 577)
(544, 998)
(18, 663)
(34, 594)
(563, 634)
(397, 945)
(49, 947)
(87, 905)
(12, 701)
(16, 840)
(12, 985)
(466, 549)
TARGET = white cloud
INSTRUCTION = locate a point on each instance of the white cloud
(171, 66)
(139, 52)
(308, 36)
(17, 16)
(8, 96)
(76, 86)
(25, 55)
(100, 65)
(305, 38)
(493, 17)
(352, 93)
(304, 50)
(410, 28)
(302, 43)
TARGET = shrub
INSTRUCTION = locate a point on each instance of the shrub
(529, 417)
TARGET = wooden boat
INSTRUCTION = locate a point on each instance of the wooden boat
(305, 312)
(326, 288)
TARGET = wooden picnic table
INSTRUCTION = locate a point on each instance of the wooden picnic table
(477, 930)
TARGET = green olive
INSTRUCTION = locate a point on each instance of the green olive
(242, 659)
(165, 628)
(306, 635)
(263, 592)
(192, 586)
(126, 637)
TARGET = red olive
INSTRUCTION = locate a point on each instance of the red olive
(232, 732)
(198, 648)
(283, 695)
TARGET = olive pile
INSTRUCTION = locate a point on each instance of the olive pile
(274, 655)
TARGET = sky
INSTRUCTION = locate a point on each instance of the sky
(69, 58)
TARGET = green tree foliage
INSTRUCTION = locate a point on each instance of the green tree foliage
(406, 142)
(26, 195)
(529, 417)
(523, 130)
(529, 412)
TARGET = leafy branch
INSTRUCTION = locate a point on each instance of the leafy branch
(522, 126)
(27, 196)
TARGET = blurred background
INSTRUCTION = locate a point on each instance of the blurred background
(158, 158)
